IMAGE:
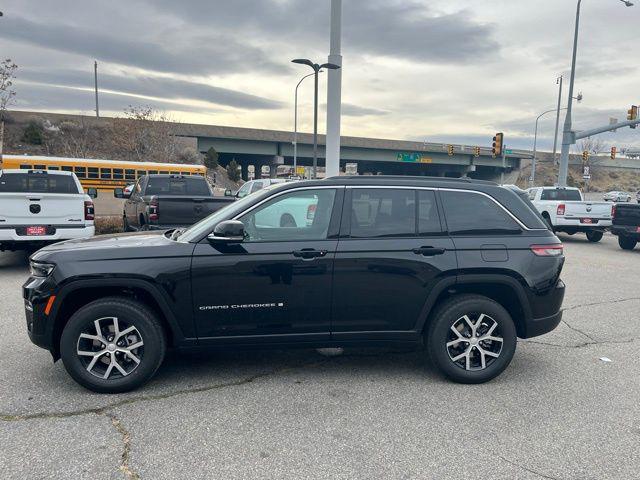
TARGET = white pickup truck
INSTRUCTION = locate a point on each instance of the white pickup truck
(39, 207)
(565, 210)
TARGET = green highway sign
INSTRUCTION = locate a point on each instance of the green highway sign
(508, 152)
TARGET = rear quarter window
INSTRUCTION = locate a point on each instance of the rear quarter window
(471, 213)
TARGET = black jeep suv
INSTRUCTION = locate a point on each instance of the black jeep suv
(463, 267)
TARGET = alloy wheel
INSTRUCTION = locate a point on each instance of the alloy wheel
(474, 341)
(110, 348)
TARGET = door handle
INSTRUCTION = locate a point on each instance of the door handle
(429, 251)
(309, 253)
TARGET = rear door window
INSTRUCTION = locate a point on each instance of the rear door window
(383, 213)
(471, 213)
(37, 183)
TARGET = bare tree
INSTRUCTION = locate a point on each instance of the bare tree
(595, 146)
(145, 135)
(7, 93)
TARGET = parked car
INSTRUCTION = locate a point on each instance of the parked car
(616, 196)
(463, 267)
(253, 186)
(39, 207)
(161, 202)
(565, 210)
(626, 225)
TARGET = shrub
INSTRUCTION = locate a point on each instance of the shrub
(105, 225)
(211, 159)
(233, 171)
(33, 133)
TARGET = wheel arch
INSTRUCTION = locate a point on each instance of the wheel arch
(82, 292)
(502, 288)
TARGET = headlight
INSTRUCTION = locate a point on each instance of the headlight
(41, 269)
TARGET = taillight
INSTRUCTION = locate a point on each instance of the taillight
(154, 209)
(89, 211)
(311, 212)
(613, 211)
(561, 209)
(553, 250)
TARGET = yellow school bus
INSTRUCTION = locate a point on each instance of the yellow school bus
(104, 175)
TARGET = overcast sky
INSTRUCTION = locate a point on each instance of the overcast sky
(435, 70)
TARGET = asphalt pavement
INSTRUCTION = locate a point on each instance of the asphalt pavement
(566, 408)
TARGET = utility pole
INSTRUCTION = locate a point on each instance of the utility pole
(555, 137)
(504, 163)
(95, 78)
(334, 95)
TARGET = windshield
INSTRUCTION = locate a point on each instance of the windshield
(205, 226)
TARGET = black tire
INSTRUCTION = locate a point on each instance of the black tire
(129, 313)
(595, 236)
(627, 243)
(439, 333)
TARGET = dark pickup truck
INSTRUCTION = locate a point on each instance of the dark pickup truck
(626, 225)
(161, 202)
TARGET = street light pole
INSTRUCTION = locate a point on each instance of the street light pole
(316, 68)
(568, 135)
(532, 177)
(555, 135)
(295, 126)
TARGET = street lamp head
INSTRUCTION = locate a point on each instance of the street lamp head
(330, 66)
(579, 97)
(627, 3)
(304, 61)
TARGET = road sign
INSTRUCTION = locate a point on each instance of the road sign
(508, 152)
(413, 158)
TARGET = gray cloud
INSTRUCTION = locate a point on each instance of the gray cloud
(351, 110)
(73, 100)
(398, 29)
(161, 87)
(174, 51)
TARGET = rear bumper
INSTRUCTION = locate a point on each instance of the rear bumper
(626, 230)
(11, 236)
(577, 224)
(549, 309)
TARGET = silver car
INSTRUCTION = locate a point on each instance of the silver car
(616, 196)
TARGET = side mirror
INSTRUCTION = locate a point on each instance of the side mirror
(120, 193)
(228, 193)
(229, 231)
(92, 192)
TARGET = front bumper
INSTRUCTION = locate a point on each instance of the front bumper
(37, 292)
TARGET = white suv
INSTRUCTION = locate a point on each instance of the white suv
(38, 207)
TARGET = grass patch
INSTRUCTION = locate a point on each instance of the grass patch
(106, 225)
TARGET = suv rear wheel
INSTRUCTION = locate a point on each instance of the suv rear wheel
(471, 339)
(112, 345)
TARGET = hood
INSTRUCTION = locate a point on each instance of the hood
(118, 242)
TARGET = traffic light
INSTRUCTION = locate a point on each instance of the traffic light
(585, 156)
(477, 151)
(614, 150)
(450, 150)
(632, 114)
(497, 144)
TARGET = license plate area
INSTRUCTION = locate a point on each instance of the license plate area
(588, 220)
(36, 230)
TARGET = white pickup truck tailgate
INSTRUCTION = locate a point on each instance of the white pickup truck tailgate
(41, 209)
(587, 210)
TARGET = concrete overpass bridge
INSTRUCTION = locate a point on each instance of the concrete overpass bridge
(269, 147)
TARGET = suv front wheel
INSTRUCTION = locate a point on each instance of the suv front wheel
(112, 345)
(471, 339)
